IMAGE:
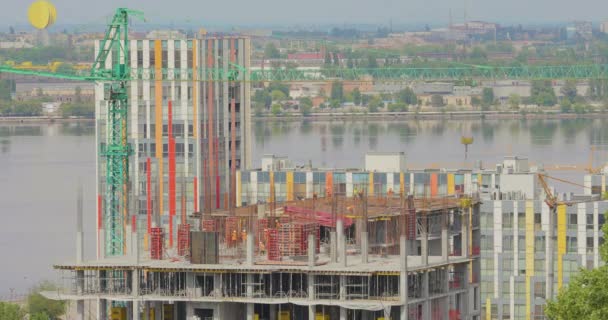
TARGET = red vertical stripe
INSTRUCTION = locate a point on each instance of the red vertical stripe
(133, 223)
(99, 221)
(217, 176)
(149, 192)
(172, 205)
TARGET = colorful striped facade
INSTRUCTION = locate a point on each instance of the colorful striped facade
(188, 136)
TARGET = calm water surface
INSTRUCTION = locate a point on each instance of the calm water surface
(41, 166)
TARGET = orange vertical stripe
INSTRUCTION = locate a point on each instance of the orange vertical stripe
(158, 96)
(434, 184)
(329, 183)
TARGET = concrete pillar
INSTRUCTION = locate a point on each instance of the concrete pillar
(343, 313)
(426, 305)
(424, 243)
(312, 254)
(340, 236)
(333, 247)
(102, 308)
(273, 312)
(135, 246)
(135, 291)
(342, 287)
(343, 261)
(250, 311)
(250, 258)
(80, 309)
(445, 246)
(102, 244)
(364, 246)
(403, 277)
(464, 237)
(311, 312)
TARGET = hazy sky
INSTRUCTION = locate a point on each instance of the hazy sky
(244, 12)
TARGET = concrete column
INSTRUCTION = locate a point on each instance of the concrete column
(217, 284)
(343, 261)
(340, 237)
(364, 247)
(403, 277)
(342, 287)
(102, 244)
(464, 235)
(273, 312)
(311, 312)
(311, 295)
(445, 246)
(102, 308)
(80, 309)
(249, 286)
(135, 291)
(312, 254)
(250, 258)
(426, 305)
(250, 311)
(333, 247)
(135, 246)
(424, 243)
(343, 313)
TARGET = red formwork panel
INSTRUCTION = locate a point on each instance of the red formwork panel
(156, 245)
(411, 225)
(209, 225)
(273, 246)
(183, 239)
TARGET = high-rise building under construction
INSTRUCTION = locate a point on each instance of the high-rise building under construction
(187, 134)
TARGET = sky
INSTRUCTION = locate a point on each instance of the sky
(310, 12)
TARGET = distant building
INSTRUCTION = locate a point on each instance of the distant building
(580, 29)
(604, 27)
(58, 91)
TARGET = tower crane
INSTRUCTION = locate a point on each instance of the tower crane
(114, 47)
(554, 203)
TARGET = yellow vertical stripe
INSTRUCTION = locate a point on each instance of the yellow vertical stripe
(194, 90)
(488, 309)
(529, 255)
(451, 188)
(239, 200)
(479, 179)
(289, 180)
(158, 112)
(561, 244)
(402, 183)
(371, 184)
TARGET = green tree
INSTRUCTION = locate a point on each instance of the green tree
(278, 95)
(356, 96)
(371, 61)
(271, 51)
(258, 109)
(397, 107)
(337, 91)
(478, 54)
(38, 304)
(437, 101)
(7, 87)
(585, 297)
(514, 101)
(78, 95)
(11, 311)
(334, 103)
(407, 96)
(487, 97)
(569, 90)
(375, 104)
(475, 101)
(542, 93)
(85, 110)
(305, 106)
(566, 106)
(276, 109)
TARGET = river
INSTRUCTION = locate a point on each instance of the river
(41, 166)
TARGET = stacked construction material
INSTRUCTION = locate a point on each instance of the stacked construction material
(293, 238)
(209, 225)
(156, 247)
(183, 239)
(273, 245)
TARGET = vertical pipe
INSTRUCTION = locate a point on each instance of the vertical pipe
(195, 186)
(79, 228)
